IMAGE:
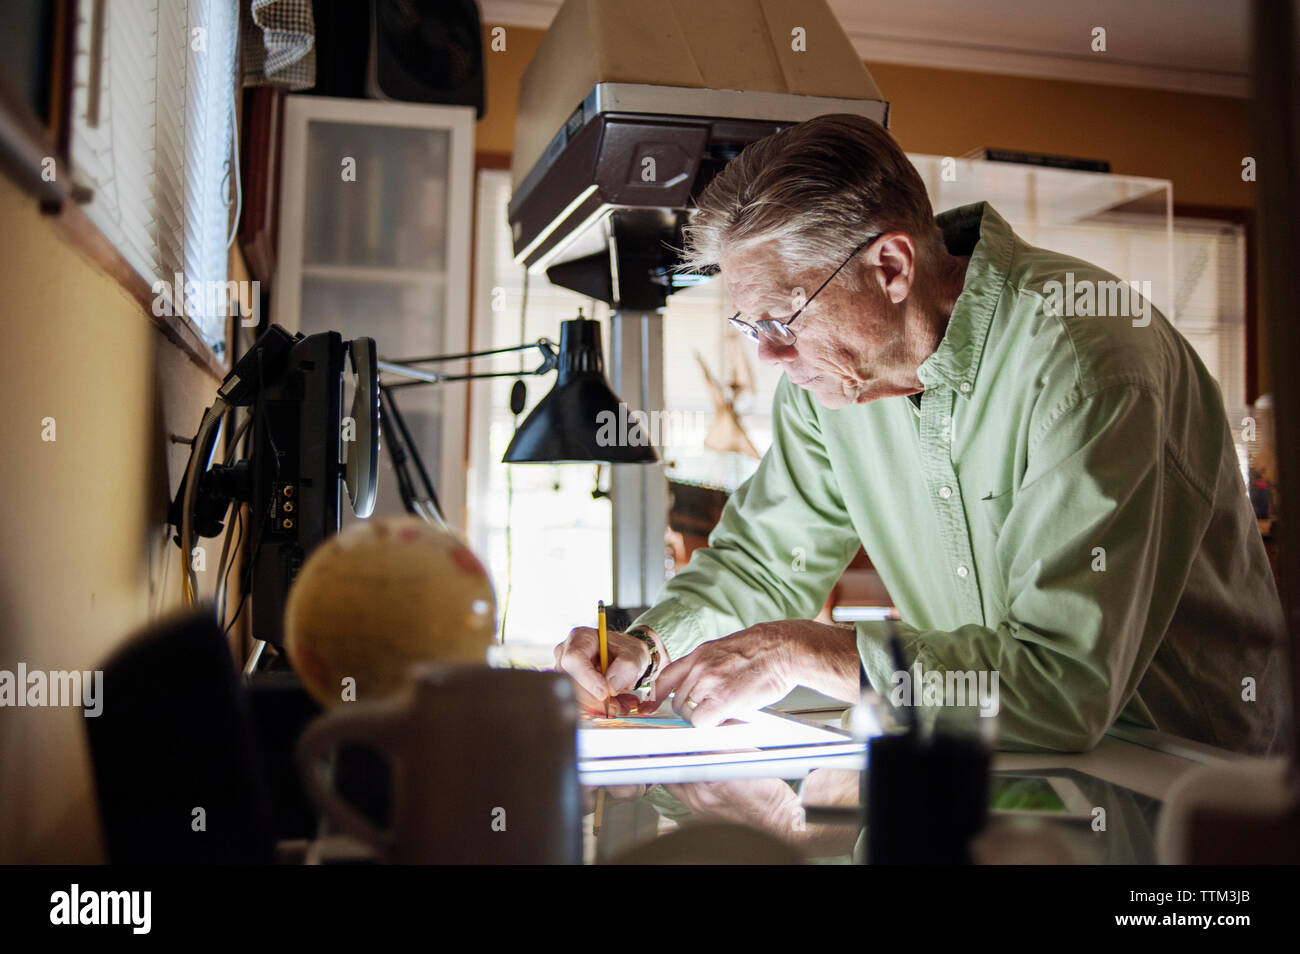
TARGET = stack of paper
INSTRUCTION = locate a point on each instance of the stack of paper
(640, 736)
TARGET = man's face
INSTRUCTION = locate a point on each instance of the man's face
(851, 344)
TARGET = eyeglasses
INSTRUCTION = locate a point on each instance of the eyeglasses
(778, 332)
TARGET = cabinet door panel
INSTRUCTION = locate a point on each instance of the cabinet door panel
(375, 196)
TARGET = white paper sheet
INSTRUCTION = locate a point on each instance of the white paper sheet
(759, 730)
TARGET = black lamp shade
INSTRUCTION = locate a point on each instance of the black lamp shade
(581, 419)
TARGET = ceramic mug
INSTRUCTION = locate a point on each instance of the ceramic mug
(483, 767)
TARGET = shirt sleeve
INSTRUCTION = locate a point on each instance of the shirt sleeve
(1095, 548)
(782, 541)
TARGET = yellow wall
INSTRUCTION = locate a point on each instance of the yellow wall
(1195, 141)
(82, 564)
(502, 69)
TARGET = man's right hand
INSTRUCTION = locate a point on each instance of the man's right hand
(579, 657)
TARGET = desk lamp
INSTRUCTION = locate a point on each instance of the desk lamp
(565, 426)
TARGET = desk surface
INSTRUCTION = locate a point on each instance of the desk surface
(1127, 777)
(1121, 763)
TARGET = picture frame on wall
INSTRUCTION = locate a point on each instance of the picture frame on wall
(35, 96)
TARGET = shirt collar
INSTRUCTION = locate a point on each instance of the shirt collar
(978, 231)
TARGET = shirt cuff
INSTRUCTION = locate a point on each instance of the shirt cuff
(676, 625)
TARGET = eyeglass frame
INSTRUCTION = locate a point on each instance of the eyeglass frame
(760, 329)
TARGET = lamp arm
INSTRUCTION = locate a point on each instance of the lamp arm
(550, 361)
(404, 451)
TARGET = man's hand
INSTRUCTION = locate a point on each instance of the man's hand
(579, 657)
(772, 806)
(765, 803)
(758, 666)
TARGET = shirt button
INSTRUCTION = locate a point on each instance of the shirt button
(962, 571)
(945, 492)
(965, 387)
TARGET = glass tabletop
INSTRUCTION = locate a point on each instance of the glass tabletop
(793, 813)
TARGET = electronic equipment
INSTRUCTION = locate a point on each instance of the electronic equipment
(426, 51)
(303, 454)
(626, 113)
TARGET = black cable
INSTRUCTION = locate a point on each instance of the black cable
(261, 409)
(510, 482)
(238, 609)
(239, 538)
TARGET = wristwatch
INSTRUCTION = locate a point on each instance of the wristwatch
(643, 634)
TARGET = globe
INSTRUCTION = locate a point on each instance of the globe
(380, 596)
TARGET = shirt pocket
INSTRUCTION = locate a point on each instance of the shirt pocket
(994, 509)
(986, 532)
(992, 553)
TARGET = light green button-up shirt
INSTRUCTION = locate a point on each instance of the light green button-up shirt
(1064, 507)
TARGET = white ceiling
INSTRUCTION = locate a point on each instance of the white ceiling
(1199, 46)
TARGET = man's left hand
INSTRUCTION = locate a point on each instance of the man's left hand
(758, 666)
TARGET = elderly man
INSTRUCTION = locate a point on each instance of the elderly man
(1048, 494)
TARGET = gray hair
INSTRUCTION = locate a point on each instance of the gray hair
(816, 190)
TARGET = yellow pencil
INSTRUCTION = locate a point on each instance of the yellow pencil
(604, 645)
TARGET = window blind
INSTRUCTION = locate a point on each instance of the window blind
(152, 137)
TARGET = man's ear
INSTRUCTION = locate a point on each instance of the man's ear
(895, 256)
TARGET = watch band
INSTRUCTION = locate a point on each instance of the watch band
(643, 634)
